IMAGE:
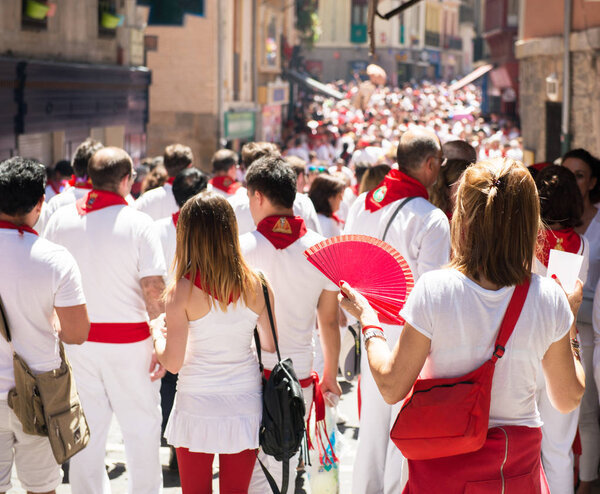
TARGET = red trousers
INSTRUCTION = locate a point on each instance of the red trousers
(509, 463)
(235, 471)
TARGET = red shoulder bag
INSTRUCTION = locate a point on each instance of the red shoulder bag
(447, 417)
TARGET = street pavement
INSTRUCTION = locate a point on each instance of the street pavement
(117, 473)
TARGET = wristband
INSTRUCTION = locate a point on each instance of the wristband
(371, 326)
(374, 333)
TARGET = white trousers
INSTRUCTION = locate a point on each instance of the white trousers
(114, 378)
(589, 430)
(558, 434)
(378, 463)
(258, 483)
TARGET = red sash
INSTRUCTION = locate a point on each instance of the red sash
(95, 200)
(79, 182)
(225, 183)
(21, 228)
(175, 217)
(566, 240)
(510, 457)
(395, 186)
(118, 332)
(282, 231)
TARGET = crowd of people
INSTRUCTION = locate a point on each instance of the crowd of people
(156, 276)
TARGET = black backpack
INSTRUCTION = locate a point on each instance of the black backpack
(282, 427)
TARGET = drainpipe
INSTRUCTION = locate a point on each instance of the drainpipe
(565, 136)
(220, 74)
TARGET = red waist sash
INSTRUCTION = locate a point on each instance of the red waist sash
(510, 458)
(118, 332)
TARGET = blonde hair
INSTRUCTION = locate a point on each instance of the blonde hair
(373, 177)
(208, 247)
(496, 221)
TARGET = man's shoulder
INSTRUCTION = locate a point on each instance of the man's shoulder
(152, 195)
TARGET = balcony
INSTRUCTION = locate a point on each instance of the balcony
(432, 38)
(453, 43)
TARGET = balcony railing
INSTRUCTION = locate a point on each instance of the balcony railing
(466, 14)
(453, 43)
(432, 38)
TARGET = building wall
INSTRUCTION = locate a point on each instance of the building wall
(183, 102)
(545, 17)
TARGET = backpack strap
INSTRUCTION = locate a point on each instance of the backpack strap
(4, 329)
(271, 480)
(511, 316)
(402, 204)
(263, 282)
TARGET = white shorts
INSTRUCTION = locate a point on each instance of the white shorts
(36, 467)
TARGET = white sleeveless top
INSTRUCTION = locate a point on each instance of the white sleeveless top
(218, 405)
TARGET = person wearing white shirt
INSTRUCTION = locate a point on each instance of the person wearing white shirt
(116, 371)
(298, 150)
(39, 279)
(225, 165)
(303, 294)
(398, 212)
(159, 203)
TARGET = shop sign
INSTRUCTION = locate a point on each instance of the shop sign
(239, 125)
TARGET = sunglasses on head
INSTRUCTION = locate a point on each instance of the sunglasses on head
(320, 169)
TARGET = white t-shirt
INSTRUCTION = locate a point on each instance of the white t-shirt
(462, 320)
(37, 276)
(329, 227)
(420, 231)
(303, 207)
(167, 233)
(115, 248)
(68, 196)
(592, 234)
(158, 203)
(297, 286)
(216, 190)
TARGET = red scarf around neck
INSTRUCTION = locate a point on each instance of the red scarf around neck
(80, 182)
(396, 185)
(95, 200)
(21, 228)
(198, 283)
(337, 219)
(170, 180)
(225, 183)
(565, 239)
(175, 217)
(282, 231)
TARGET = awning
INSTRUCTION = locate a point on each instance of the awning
(473, 76)
(501, 78)
(312, 84)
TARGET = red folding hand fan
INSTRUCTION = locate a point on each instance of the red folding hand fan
(372, 267)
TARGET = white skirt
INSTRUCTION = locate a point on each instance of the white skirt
(215, 423)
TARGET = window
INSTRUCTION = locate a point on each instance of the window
(358, 21)
(34, 14)
(108, 18)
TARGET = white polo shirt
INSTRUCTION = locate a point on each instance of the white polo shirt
(303, 207)
(115, 248)
(158, 203)
(167, 233)
(297, 286)
(37, 275)
(68, 196)
(420, 231)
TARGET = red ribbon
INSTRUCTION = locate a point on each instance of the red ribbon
(396, 185)
(282, 231)
(225, 183)
(175, 217)
(20, 228)
(566, 240)
(118, 332)
(95, 200)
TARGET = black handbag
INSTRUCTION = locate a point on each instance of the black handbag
(283, 426)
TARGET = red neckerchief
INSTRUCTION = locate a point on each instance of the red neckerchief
(282, 231)
(170, 180)
(396, 185)
(339, 220)
(175, 217)
(565, 239)
(80, 182)
(21, 228)
(54, 187)
(225, 183)
(198, 283)
(98, 199)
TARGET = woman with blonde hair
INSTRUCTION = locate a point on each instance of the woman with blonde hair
(211, 311)
(452, 320)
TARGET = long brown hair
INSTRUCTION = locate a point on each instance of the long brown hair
(208, 247)
(496, 221)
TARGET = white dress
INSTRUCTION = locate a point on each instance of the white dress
(218, 405)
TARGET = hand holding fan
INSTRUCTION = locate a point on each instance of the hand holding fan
(372, 267)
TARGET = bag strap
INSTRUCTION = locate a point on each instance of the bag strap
(285, 474)
(4, 329)
(271, 322)
(511, 316)
(402, 204)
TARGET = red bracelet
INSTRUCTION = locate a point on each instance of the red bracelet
(371, 326)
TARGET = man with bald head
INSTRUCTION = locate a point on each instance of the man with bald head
(122, 268)
(397, 211)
